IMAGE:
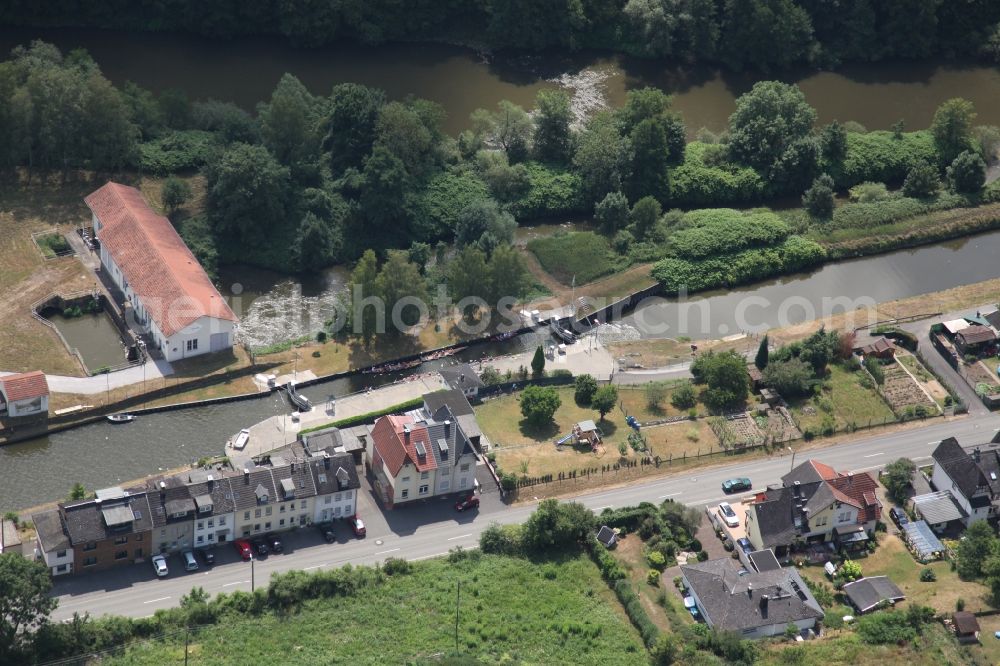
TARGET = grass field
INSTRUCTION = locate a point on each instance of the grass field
(523, 448)
(583, 254)
(845, 400)
(512, 611)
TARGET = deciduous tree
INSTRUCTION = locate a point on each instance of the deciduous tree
(539, 404)
(605, 399)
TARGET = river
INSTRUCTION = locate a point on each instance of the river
(44, 469)
(245, 71)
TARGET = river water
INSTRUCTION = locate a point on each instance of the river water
(246, 71)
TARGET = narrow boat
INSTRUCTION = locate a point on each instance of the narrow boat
(121, 418)
(298, 400)
(241, 440)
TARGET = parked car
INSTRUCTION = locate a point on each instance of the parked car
(358, 526)
(692, 607)
(190, 564)
(728, 515)
(243, 548)
(274, 543)
(326, 529)
(736, 485)
(745, 545)
(470, 502)
(207, 556)
(160, 565)
(260, 547)
(898, 516)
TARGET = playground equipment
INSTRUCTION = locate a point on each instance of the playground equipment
(632, 422)
(565, 439)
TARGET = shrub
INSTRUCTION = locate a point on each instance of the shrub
(501, 539)
(715, 231)
(656, 560)
(584, 388)
(927, 575)
(552, 192)
(818, 199)
(684, 396)
(394, 566)
(878, 156)
(694, 546)
(794, 254)
(869, 192)
(960, 604)
(636, 613)
(967, 173)
(702, 556)
(705, 179)
(182, 150)
(653, 577)
(611, 569)
(921, 181)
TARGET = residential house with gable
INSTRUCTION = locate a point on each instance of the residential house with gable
(815, 503)
(213, 520)
(24, 395)
(414, 457)
(971, 476)
(173, 514)
(54, 547)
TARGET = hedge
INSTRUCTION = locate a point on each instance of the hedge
(876, 213)
(696, 184)
(553, 192)
(713, 231)
(636, 613)
(368, 417)
(630, 517)
(794, 254)
(880, 157)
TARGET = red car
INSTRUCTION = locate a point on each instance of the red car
(470, 502)
(243, 548)
(358, 526)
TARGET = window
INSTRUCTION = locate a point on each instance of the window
(821, 521)
(211, 523)
(90, 546)
(406, 479)
(222, 521)
(337, 497)
(256, 527)
(327, 500)
(844, 517)
(267, 511)
(138, 553)
(60, 553)
(138, 537)
(89, 561)
(302, 519)
(267, 525)
(336, 510)
(163, 533)
(163, 546)
(282, 509)
(246, 531)
(423, 489)
(444, 485)
(465, 467)
(121, 555)
(281, 523)
(347, 495)
(192, 345)
(463, 482)
(201, 538)
(201, 524)
(256, 513)
(120, 540)
(424, 475)
(291, 506)
(61, 568)
(302, 505)
(405, 494)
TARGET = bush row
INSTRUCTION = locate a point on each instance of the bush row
(183, 150)
(636, 613)
(794, 254)
(368, 417)
(881, 157)
(876, 213)
(713, 231)
(696, 183)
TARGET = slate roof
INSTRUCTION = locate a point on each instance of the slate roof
(170, 498)
(51, 533)
(993, 317)
(458, 405)
(85, 522)
(809, 472)
(461, 377)
(25, 386)
(333, 438)
(867, 593)
(325, 471)
(159, 267)
(606, 536)
(939, 507)
(968, 476)
(245, 488)
(217, 492)
(734, 602)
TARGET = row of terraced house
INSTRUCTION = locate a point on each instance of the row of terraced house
(290, 488)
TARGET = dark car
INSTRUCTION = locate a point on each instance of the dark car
(745, 545)
(736, 485)
(260, 547)
(274, 543)
(326, 529)
(898, 516)
(207, 556)
(470, 502)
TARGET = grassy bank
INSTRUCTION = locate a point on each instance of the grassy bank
(512, 611)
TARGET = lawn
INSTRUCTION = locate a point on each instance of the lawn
(524, 448)
(584, 255)
(846, 400)
(512, 611)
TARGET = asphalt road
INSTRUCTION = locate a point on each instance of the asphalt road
(433, 528)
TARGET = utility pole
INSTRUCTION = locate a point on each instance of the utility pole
(458, 603)
(187, 635)
(793, 457)
(251, 573)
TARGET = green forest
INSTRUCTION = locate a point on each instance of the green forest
(751, 34)
(308, 181)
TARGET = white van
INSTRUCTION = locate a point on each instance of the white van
(190, 563)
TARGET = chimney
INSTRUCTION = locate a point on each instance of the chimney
(763, 604)
(850, 478)
(795, 488)
(246, 475)
(750, 590)
(326, 461)
(406, 435)
(447, 429)
(292, 466)
(975, 455)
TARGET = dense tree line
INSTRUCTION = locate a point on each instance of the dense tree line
(741, 34)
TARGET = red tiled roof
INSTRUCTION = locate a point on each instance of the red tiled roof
(395, 449)
(173, 287)
(25, 386)
(860, 488)
(825, 471)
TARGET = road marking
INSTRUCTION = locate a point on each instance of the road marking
(872, 455)
(235, 582)
(670, 495)
(464, 536)
(383, 552)
(153, 601)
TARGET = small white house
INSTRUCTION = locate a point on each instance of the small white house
(24, 395)
(167, 291)
(337, 486)
(53, 546)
